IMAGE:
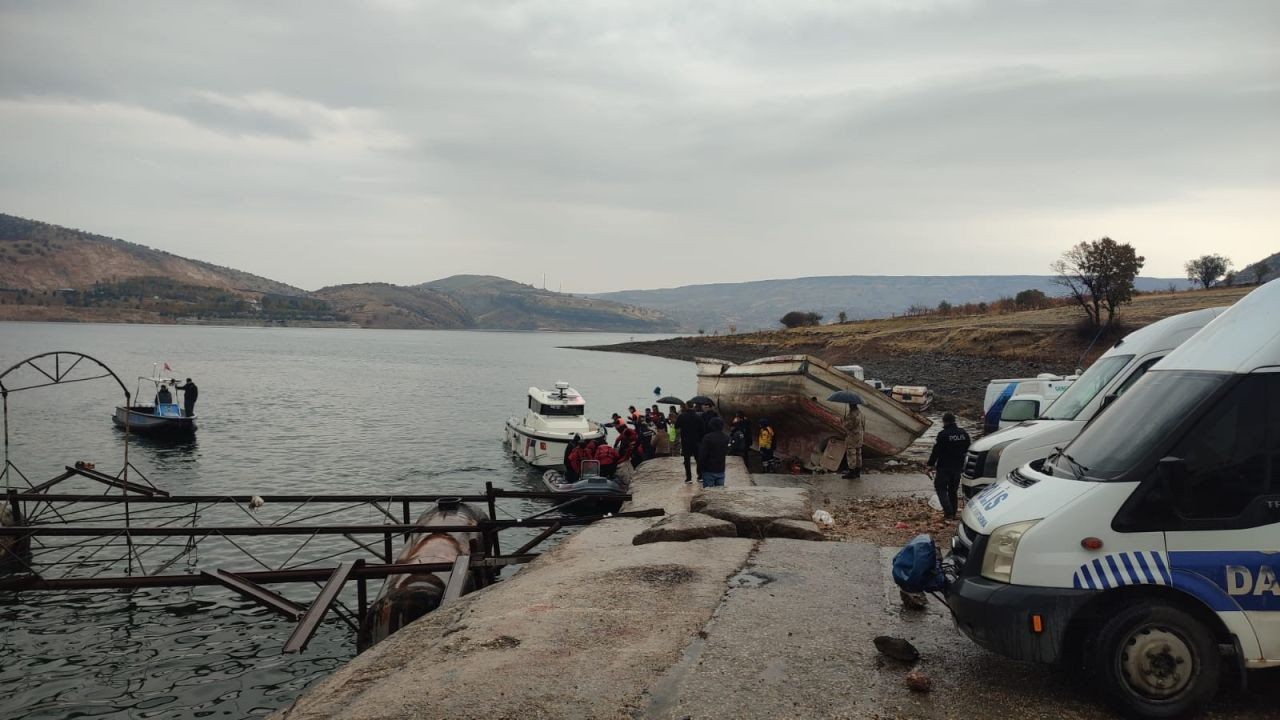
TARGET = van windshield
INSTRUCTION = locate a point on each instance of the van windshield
(1139, 419)
(1084, 390)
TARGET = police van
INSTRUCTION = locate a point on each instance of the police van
(1147, 551)
(1110, 376)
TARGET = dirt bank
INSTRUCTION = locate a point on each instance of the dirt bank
(955, 356)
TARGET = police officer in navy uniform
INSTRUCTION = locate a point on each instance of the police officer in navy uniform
(949, 450)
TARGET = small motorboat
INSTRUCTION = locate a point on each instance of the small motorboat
(553, 418)
(606, 493)
(162, 417)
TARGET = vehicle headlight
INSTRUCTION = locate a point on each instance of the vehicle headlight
(993, 458)
(997, 561)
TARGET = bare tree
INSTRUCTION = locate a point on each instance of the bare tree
(1206, 269)
(1099, 276)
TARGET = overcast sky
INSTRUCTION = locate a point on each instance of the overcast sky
(620, 145)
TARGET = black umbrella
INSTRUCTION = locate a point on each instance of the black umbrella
(847, 397)
(701, 400)
(670, 400)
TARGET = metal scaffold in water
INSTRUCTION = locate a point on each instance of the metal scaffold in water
(88, 529)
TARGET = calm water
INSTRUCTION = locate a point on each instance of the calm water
(282, 411)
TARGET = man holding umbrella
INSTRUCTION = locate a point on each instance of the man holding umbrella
(855, 431)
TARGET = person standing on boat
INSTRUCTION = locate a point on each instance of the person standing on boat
(163, 397)
(189, 395)
(855, 431)
(947, 457)
(712, 451)
(573, 459)
(608, 459)
(690, 428)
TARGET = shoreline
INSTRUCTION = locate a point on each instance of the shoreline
(958, 381)
(744, 627)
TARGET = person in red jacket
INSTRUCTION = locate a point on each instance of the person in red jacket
(576, 456)
(608, 458)
(627, 444)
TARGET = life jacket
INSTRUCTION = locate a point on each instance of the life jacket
(606, 455)
(575, 458)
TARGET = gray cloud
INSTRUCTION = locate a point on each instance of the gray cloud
(333, 142)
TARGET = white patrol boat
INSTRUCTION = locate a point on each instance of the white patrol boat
(552, 419)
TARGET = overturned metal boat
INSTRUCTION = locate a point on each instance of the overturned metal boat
(791, 391)
(405, 598)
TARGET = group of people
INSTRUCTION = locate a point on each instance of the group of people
(705, 445)
(189, 395)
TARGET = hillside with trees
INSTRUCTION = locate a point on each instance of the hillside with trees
(382, 305)
(499, 304)
(758, 305)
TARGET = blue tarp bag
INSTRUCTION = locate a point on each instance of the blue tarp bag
(917, 566)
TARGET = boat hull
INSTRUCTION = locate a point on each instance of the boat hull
(142, 419)
(607, 494)
(540, 448)
(791, 391)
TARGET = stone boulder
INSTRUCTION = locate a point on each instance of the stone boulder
(752, 510)
(681, 527)
(795, 529)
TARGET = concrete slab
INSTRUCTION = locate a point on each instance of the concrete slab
(794, 529)
(753, 509)
(683, 527)
(795, 643)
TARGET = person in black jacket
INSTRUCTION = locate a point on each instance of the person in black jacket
(711, 454)
(948, 456)
(689, 426)
(189, 395)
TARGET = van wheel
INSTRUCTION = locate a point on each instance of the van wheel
(1156, 661)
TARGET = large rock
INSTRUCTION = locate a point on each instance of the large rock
(681, 527)
(753, 510)
(795, 529)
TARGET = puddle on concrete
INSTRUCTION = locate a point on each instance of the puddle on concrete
(749, 579)
(662, 699)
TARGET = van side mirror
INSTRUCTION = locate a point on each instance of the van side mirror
(1172, 472)
(1106, 403)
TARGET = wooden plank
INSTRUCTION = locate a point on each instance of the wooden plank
(310, 622)
(457, 579)
(253, 591)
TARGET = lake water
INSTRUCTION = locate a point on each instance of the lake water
(282, 410)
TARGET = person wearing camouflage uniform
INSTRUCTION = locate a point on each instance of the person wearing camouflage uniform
(855, 431)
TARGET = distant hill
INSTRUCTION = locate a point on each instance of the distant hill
(500, 304)
(1249, 273)
(758, 305)
(39, 256)
(381, 305)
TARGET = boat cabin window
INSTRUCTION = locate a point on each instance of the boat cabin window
(556, 410)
